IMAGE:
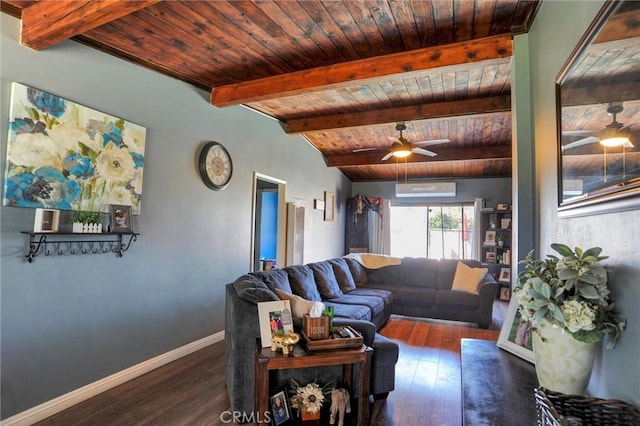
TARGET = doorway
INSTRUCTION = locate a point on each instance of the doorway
(268, 234)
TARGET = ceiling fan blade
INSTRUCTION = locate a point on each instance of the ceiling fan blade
(581, 142)
(393, 138)
(386, 157)
(364, 149)
(580, 132)
(431, 142)
(423, 152)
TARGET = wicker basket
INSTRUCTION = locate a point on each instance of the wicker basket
(556, 409)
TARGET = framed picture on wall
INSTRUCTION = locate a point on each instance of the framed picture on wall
(329, 206)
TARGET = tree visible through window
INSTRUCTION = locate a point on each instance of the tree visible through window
(437, 231)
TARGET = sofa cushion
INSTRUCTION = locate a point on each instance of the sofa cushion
(343, 274)
(302, 282)
(299, 305)
(253, 290)
(466, 279)
(326, 282)
(456, 298)
(386, 295)
(419, 272)
(358, 272)
(386, 274)
(376, 304)
(275, 278)
(357, 312)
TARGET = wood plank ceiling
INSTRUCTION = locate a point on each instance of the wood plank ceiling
(340, 73)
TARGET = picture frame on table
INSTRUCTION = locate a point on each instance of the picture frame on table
(515, 334)
(275, 318)
(280, 408)
(505, 275)
(120, 218)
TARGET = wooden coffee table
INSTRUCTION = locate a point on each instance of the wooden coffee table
(266, 360)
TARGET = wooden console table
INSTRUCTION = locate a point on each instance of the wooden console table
(266, 360)
(497, 386)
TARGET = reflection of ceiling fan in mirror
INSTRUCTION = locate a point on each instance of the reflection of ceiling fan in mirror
(401, 148)
(614, 134)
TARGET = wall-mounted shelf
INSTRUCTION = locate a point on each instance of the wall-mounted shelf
(61, 243)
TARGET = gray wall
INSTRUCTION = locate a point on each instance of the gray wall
(557, 28)
(68, 321)
(494, 190)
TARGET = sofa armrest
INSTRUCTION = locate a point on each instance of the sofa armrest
(366, 328)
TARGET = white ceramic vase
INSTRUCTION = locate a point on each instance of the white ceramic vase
(563, 364)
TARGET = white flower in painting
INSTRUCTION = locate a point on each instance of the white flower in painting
(115, 164)
(136, 183)
(35, 150)
(119, 195)
(69, 138)
(134, 137)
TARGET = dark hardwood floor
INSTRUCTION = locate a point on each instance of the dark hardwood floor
(192, 391)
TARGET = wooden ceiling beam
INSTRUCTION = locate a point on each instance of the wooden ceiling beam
(46, 23)
(499, 152)
(354, 72)
(438, 110)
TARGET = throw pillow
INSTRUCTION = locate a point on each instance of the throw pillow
(299, 305)
(302, 282)
(343, 274)
(252, 289)
(326, 280)
(466, 279)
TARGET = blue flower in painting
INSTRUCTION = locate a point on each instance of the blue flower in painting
(46, 102)
(26, 125)
(17, 186)
(138, 159)
(109, 132)
(78, 165)
(46, 187)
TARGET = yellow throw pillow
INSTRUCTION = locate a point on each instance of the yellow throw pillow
(299, 305)
(467, 278)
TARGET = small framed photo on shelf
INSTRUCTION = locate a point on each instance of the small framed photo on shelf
(502, 207)
(490, 238)
(275, 318)
(281, 414)
(505, 275)
(491, 257)
(120, 217)
(46, 220)
(505, 293)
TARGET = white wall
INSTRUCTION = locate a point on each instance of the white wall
(68, 321)
(556, 30)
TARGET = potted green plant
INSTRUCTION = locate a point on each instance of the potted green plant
(566, 299)
(86, 221)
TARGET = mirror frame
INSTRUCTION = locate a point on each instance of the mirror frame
(624, 196)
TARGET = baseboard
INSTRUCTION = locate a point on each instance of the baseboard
(56, 405)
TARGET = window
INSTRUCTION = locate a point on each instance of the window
(433, 231)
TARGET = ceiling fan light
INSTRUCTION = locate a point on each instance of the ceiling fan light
(615, 141)
(401, 153)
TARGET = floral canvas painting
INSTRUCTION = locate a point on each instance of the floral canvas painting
(66, 156)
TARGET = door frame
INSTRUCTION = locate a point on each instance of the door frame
(281, 239)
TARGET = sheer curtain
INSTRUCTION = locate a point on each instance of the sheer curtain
(380, 230)
(476, 238)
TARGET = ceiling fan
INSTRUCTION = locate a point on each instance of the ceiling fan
(614, 133)
(401, 148)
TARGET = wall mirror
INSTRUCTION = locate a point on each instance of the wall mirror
(598, 96)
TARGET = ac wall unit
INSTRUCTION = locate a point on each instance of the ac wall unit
(426, 189)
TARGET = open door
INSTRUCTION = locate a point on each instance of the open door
(268, 236)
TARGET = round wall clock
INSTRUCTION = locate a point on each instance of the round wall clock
(214, 164)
